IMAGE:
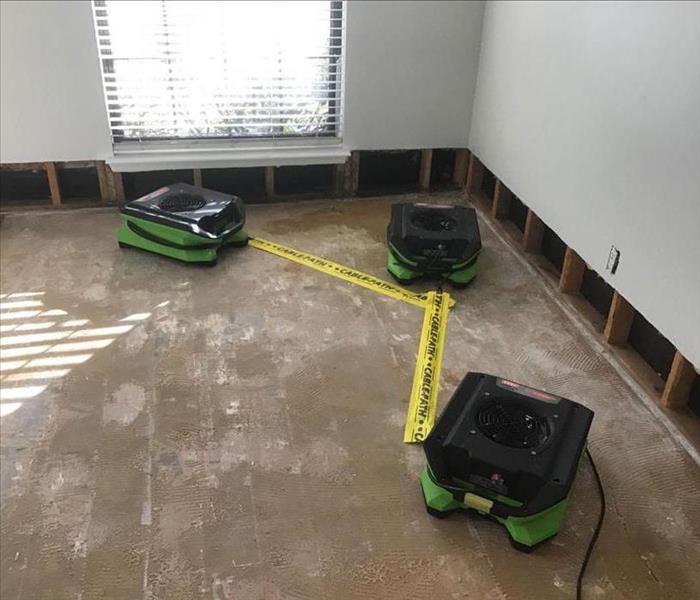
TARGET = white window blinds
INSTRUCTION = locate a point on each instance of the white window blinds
(181, 69)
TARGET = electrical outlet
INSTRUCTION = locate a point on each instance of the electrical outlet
(613, 260)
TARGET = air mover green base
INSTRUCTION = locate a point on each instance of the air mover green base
(459, 277)
(525, 532)
(174, 243)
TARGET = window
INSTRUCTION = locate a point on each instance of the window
(220, 70)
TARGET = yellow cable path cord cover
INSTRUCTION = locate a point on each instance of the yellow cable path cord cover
(341, 271)
(426, 379)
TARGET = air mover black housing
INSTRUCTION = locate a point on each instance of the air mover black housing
(431, 240)
(184, 222)
(508, 451)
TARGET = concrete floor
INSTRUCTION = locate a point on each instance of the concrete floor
(238, 436)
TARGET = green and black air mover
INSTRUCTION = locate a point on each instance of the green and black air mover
(433, 241)
(507, 451)
(184, 222)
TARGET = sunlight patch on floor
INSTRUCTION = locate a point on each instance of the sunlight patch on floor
(33, 351)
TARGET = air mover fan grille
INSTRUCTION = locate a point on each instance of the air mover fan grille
(433, 220)
(182, 202)
(507, 422)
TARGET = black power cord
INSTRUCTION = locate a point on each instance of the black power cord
(598, 527)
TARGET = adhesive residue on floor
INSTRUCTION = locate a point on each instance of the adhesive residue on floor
(244, 441)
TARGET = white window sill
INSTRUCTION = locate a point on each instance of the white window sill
(159, 157)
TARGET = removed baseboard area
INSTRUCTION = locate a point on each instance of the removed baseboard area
(649, 355)
(369, 173)
(365, 173)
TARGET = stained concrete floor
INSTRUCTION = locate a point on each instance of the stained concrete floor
(235, 432)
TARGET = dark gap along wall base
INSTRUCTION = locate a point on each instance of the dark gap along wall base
(597, 291)
(57, 185)
(518, 213)
(248, 183)
(78, 184)
(654, 348)
(623, 325)
(553, 248)
(311, 179)
(30, 187)
(368, 173)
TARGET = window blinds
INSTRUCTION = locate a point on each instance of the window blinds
(181, 69)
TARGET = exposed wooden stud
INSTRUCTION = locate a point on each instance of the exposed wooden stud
(106, 191)
(119, 195)
(426, 163)
(571, 272)
(54, 185)
(534, 230)
(459, 174)
(620, 316)
(501, 201)
(475, 174)
(111, 183)
(270, 182)
(680, 379)
(351, 180)
(197, 177)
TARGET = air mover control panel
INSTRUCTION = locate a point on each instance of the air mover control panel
(433, 240)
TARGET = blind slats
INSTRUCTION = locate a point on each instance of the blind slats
(187, 69)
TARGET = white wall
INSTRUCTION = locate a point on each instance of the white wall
(51, 102)
(410, 75)
(590, 113)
